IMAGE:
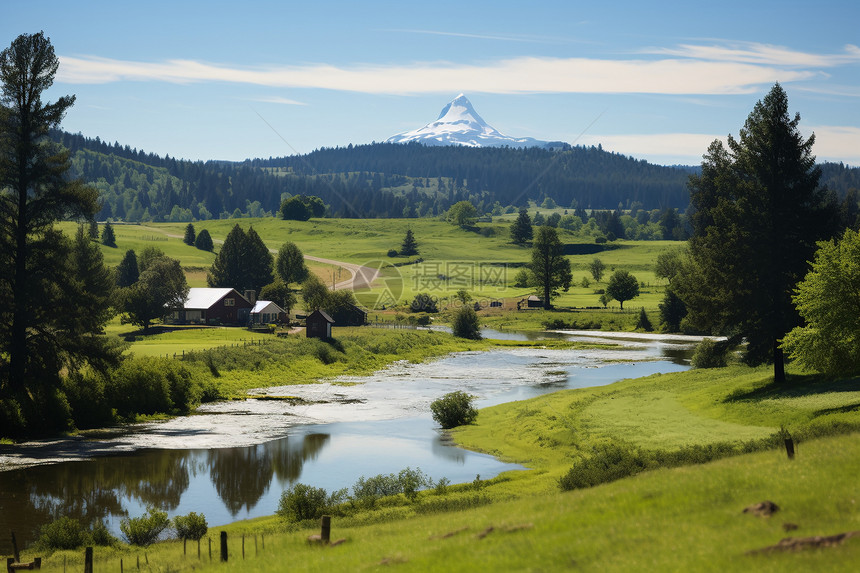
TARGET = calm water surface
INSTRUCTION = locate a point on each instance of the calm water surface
(232, 460)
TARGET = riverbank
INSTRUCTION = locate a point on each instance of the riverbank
(689, 517)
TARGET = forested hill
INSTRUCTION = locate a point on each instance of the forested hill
(589, 175)
(378, 180)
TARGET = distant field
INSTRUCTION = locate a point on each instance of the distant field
(454, 258)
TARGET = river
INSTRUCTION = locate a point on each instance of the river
(232, 460)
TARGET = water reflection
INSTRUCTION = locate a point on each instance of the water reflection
(109, 488)
(378, 426)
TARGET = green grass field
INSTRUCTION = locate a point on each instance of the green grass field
(454, 258)
(687, 518)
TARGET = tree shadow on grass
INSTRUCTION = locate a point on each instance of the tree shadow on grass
(796, 386)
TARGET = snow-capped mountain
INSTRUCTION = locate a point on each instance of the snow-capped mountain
(460, 124)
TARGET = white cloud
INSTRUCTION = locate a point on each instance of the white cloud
(836, 143)
(685, 148)
(832, 143)
(513, 76)
(279, 100)
(766, 54)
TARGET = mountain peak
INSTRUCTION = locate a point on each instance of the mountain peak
(459, 124)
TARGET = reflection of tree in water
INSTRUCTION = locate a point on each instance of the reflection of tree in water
(89, 491)
(290, 455)
(243, 475)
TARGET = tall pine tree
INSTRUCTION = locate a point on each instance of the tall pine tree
(37, 342)
(757, 214)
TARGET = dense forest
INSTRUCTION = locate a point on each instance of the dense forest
(381, 180)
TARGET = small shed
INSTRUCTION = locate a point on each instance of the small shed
(534, 301)
(319, 325)
(267, 312)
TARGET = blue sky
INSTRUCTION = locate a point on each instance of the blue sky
(655, 80)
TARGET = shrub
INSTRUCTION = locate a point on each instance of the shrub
(442, 486)
(192, 526)
(454, 409)
(301, 502)
(392, 252)
(64, 533)
(608, 463)
(709, 354)
(367, 491)
(423, 302)
(465, 323)
(101, 535)
(523, 279)
(146, 529)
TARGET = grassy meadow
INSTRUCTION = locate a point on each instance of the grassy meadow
(483, 263)
(721, 429)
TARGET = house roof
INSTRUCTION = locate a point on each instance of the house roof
(261, 305)
(203, 298)
(321, 313)
(534, 297)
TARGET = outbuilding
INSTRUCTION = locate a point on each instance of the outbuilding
(534, 301)
(318, 325)
(267, 312)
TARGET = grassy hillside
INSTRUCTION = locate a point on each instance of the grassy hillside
(484, 263)
(686, 518)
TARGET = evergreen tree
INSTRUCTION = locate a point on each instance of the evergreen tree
(672, 311)
(258, 264)
(290, 264)
(34, 257)
(244, 262)
(94, 230)
(643, 322)
(758, 212)
(190, 235)
(204, 241)
(410, 245)
(108, 236)
(92, 290)
(551, 269)
(127, 271)
(228, 267)
(521, 229)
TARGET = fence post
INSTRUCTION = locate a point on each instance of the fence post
(224, 546)
(88, 560)
(210, 548)
(325, 530)
(243, 546)
(789, 447)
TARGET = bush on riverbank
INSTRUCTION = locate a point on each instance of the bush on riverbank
(140, 386)
(68, 533)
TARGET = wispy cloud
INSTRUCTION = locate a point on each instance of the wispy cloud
(689, 145)
(832, 143)
(512, 76)
(524, 38)
(756, 53)
(835, 143)
(279, 100)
